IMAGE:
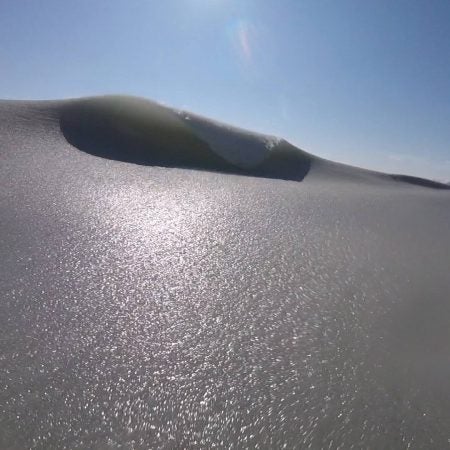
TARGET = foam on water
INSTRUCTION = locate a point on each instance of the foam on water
(238, 146)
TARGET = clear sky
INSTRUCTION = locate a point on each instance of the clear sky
(365, 82)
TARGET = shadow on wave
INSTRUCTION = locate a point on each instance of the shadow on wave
(420, 182)
(143, 132)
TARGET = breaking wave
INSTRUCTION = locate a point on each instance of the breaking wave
(144, 132)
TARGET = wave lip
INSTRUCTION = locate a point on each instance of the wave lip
(143, 132)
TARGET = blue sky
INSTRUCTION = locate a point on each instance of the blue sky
(365, 82)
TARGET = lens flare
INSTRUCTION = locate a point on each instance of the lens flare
(242, 37)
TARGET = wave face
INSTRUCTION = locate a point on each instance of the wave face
(145, 308)
(144, 132)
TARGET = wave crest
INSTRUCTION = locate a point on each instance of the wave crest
(144, 132)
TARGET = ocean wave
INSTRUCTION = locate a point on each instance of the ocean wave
(143, 132)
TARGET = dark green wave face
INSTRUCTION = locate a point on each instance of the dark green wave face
(143, 132)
